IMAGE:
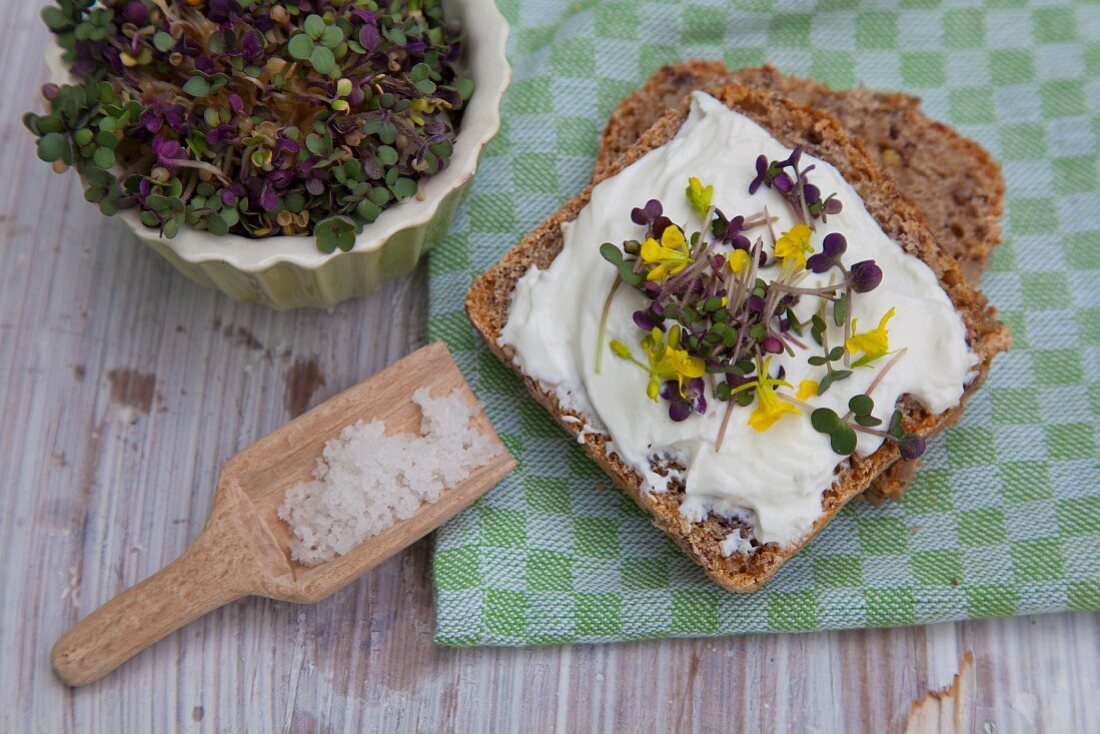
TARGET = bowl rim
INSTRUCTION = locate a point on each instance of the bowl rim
(485, 37)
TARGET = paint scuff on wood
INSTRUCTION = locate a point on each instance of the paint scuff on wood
(949, 710)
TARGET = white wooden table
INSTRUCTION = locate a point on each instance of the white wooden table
(123, 388)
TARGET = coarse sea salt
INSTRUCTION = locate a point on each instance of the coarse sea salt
(365, 481)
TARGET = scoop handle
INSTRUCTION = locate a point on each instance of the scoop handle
(211, 574)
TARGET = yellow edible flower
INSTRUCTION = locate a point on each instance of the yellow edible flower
(807, 389)
(670, 256)
(666, 360)
(769, 408)
(699, 196)
(669, 362)
(739, 261)
(873, 344)
(793, 247)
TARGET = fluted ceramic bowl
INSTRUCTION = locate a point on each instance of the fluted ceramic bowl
(289, 271)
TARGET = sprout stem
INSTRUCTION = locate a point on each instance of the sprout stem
(603, 322)
(847, 324)
(885, 368)
(725, 424)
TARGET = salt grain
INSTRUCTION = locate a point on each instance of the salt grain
(365, 481)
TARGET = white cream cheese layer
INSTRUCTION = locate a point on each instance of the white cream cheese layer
(773, 479)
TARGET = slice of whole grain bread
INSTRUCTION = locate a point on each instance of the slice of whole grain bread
(954, 181)
(489, 298)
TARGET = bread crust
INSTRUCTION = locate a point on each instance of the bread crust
(489, 298)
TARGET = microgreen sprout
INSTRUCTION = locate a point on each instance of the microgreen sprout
(791, 182)
(253, 117)
(841, 430)
(820, 334)
(714, 314)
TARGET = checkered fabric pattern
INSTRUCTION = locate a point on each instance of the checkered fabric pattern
(1004, 516)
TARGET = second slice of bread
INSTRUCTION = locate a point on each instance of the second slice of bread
(821, 135)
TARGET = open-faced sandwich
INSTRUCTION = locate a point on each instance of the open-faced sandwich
(743, 322)
(953, 181)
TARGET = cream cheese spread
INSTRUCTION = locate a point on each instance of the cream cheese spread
(772, 479)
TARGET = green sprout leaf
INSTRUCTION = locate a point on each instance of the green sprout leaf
(216, 225)
(162, 41)
(332, 37)
(626, 268)
(387, 155)
(97, 176)
(824, 420)
(380, 195)
(31, 121)
(895, 430)
(817, 329)
(53, 147)
(322, 60)
(107, 139)
(464, 87)
(103, 157)
(403, 188)
(335, 233)
(840, 310)
(55, 19)
(316, 144)
(50, 124)
(300, 46)
(367, 210)
(861, 404)
(830, 378)
(196, 86)
(314, 25)
(843, 440)
(387, 133)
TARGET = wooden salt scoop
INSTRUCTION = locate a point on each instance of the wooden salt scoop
(243, 549)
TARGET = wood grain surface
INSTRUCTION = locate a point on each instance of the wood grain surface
(245, 545)
(123, 389)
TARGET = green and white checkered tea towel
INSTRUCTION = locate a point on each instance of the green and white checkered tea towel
(1004, 516)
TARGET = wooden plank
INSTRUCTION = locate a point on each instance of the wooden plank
(96, 494)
